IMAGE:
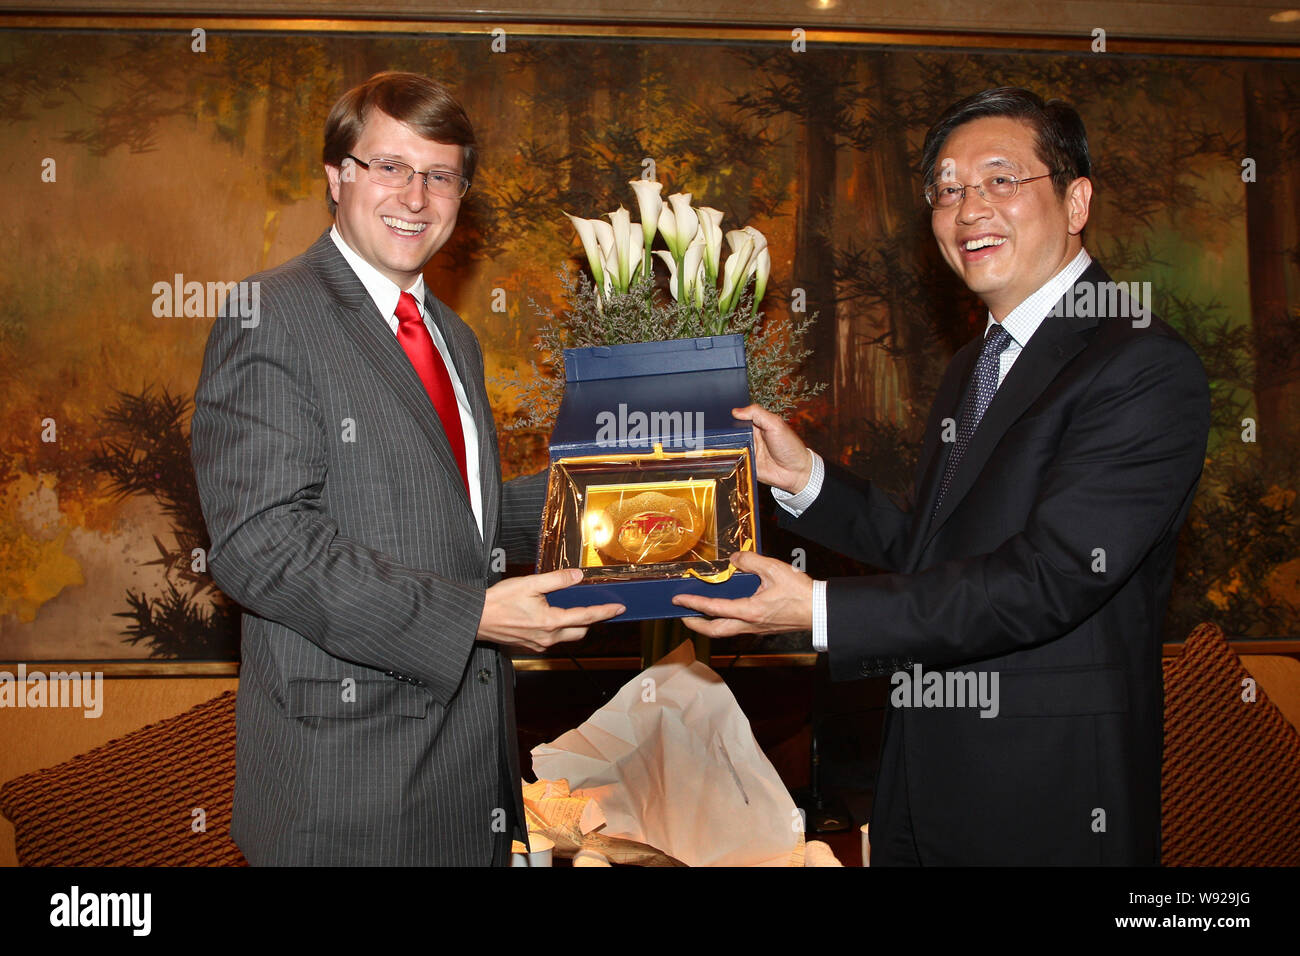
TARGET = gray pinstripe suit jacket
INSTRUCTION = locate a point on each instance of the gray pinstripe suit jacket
(371, 727)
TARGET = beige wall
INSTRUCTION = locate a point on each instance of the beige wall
(32, 739)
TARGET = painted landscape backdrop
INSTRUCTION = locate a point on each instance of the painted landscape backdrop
(132, 158)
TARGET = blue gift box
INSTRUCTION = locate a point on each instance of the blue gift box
(650, 425)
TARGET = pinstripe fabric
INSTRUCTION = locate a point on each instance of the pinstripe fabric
(371, 728)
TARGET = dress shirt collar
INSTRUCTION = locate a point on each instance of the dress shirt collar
(383, 290)
(1023, 321)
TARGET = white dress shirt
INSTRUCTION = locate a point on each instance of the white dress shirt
(385, 294)
(1021, 323)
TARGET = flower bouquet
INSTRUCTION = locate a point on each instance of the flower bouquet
(621, 302)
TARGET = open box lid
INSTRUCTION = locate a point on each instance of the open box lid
(677, 393)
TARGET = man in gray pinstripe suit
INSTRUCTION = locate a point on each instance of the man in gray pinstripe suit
(360, 529)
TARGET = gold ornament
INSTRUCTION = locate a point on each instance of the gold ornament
(649, 528)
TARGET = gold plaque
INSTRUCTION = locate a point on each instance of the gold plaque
(649, 528)
(643, 523)
(631, 517)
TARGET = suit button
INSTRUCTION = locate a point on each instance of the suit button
(484, 676)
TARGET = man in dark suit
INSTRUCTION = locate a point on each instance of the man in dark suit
(347, 465)
(1021, 618)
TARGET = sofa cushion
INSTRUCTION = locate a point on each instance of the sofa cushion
(132, 802)
(1231, 775)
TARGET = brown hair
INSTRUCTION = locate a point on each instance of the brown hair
(423, 104)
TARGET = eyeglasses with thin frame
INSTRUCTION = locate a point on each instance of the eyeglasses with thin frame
(391, 173)
(996, 188)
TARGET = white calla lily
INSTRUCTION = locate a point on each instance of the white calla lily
(687, 220)
(762, 271)
(737, 238)
(668, 228)
(711, 229)
(589, 231)
(760, 246)
(692, 263)
(605, 242)
(760, 241)
(609, 258)
(694, 238)
(737, 270)
(668, 259)
(760, 266)
(604, 233)
(621, 222)
(700, 279)
(635, 253)
(649, 204)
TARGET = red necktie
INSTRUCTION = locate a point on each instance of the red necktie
(414, 337)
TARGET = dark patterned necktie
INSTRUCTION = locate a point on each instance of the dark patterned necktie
(982, 386)
(413, 335)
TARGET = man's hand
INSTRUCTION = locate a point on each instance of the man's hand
(516, 614)
(783, 459)
(783, 602)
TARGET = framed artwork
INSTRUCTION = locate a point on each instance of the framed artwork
(148, 166)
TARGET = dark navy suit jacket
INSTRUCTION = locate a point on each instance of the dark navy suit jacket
(1049, 563)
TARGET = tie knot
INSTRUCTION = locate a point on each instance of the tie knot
(407, 310)
(997, 340)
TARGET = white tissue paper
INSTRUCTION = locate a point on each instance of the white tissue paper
(671, 761)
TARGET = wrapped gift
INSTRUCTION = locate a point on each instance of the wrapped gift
(652, 481)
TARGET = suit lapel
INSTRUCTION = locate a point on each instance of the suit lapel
(947, 402)
(369, 331)
(1052, 346)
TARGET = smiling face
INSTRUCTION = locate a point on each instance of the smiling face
(1005, 251)
(395, 230)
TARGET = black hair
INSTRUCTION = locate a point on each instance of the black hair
(1060, 139)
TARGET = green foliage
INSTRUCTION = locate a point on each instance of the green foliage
(1241, 528)
(146, 451)
(175, 626)
(773, 349)
(1225, 349)
(888, 453)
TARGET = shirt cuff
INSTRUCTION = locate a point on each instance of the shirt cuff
(802, 500)
(819, 616)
